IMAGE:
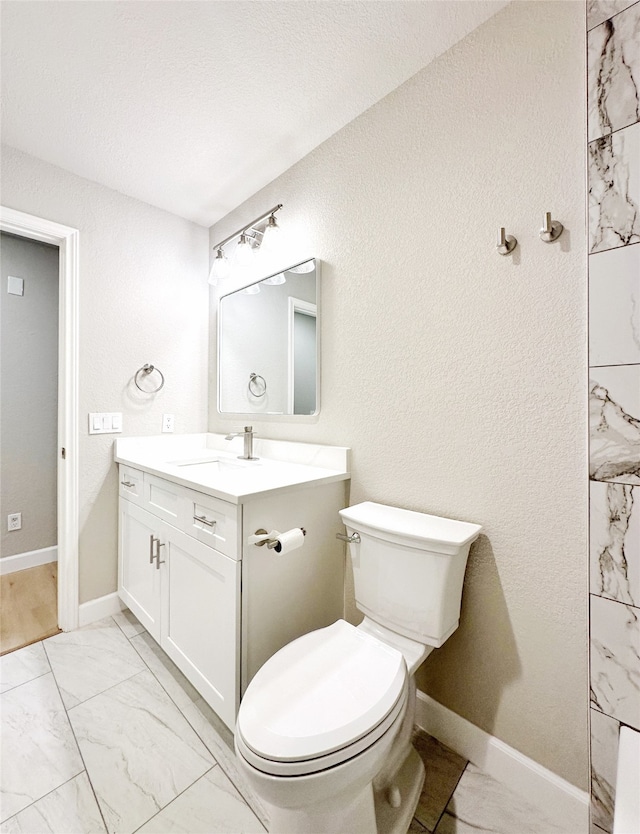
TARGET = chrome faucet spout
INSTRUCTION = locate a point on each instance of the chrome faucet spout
(248, 442)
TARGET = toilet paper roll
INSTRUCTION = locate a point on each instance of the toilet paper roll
(291, 540)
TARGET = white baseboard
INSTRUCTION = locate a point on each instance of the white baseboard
(539, 786)
(98, 609)
(30, 559)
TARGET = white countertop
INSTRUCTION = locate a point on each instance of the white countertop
(209, 463)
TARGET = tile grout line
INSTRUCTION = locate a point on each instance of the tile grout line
(197, 734)
(164, 807)
(446, 805)
(53, 790)
(229, 776)
(612, 132)
(75, 738)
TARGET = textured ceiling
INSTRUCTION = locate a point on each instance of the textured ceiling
(194, 106)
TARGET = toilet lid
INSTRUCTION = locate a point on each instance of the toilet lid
(320, 693)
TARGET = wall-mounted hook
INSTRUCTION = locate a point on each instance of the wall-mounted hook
(506, 243)
(551, 229)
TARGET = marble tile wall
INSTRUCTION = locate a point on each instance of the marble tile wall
(613, 68)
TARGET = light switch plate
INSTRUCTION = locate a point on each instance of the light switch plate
(105, 422)
(15, 286)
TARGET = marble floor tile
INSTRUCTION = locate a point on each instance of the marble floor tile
(22, 666)
(181, 692)
(614, 190)
(69, 809)
(614, 424)
(139, 750)
(219, 741)
(479, 803)
(210, 806)
(129, 623)
(604, 766)
(601, 10)
(614, 73)
(614, 306)
(614, 541)
(39, 752)
(615, 648)
(443, 771)
(91, 659)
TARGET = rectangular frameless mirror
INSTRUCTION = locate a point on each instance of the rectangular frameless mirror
(268, 345)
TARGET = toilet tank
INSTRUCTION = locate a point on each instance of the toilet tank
(408, 568)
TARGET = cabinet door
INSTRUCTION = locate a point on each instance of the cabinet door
(201, 618)
(139, 580)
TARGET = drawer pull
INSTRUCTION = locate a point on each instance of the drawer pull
(204, 520)
(128, 484)
(152, 539)
(158, 562)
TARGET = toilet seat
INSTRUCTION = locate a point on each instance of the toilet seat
(320, 700)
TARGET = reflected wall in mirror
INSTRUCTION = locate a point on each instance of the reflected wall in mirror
(268, 345)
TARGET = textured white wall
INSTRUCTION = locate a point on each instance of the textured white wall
(143, 298)
(29, 395)
(456, 375)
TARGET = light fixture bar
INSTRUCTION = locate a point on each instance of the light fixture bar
(244, 229)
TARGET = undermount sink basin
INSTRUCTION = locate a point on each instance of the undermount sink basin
(214, 463)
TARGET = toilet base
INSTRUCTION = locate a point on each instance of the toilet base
(355, 817)
(405, 787)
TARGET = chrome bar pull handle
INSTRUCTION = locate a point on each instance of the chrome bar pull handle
(158, 562)
(152, 555)
(354, 538)
(128, 484)
(204, 520)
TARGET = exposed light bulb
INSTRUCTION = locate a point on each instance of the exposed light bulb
(251, 290)
(272, 235)
(244, 252)
(275, 280)
(220, 268)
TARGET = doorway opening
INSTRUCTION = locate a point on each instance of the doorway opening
(28, 440)
(21, 225)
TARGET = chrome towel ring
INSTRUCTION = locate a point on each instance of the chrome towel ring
(146, 370)
(257, 385)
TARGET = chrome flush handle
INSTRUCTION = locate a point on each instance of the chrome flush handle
(354, 538)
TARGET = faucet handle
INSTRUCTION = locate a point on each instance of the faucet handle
(248, 428)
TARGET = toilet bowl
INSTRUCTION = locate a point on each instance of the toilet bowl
(323, 733)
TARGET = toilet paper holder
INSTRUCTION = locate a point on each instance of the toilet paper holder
(261, 537)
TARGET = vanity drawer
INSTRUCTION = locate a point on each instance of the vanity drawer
(131, 484)
(213, 522)
(164, 499)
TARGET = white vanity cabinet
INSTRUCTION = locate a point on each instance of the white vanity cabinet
(218, 605)
(184, 592)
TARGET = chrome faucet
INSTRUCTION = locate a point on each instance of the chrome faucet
(248, 442)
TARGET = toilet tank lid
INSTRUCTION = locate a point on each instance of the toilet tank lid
(420, 527)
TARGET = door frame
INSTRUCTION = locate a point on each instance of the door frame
(307, 308)
(67, 240)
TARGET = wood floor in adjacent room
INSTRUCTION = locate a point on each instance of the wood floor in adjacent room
(29, 606)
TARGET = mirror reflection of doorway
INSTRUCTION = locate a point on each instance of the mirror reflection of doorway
(302, 387)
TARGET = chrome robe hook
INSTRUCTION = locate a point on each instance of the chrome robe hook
(551, 229)
(506, 243)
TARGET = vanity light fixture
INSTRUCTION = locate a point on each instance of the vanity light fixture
(251, 238)
(252, 289)
(244, 251)
(272, 234)
(220, 267)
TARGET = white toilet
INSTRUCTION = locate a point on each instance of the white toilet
(323, 734)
